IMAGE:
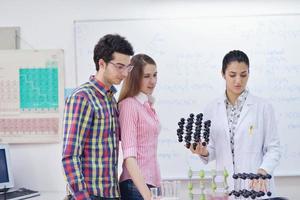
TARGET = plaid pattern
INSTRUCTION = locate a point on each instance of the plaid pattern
(91, 142)
(233, 115)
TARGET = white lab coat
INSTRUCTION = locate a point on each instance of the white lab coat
(256, 140)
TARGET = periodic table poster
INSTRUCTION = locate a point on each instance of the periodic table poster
(31, 95)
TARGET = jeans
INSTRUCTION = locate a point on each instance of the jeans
(102, 198)
(69, 197)
(129, 191)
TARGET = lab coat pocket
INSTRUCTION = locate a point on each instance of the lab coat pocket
(253, 139)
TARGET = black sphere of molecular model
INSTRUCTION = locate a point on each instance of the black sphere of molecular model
(194, 130)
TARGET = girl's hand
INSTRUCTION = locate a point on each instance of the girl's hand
(200, 150)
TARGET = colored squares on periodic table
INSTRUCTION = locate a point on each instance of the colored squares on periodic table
(38, 88)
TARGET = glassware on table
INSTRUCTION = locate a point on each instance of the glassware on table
(154, 193)
(169, 190)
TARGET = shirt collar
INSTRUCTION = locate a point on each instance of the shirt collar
(102, 88)
(240, 99)
(102, 85)
(142, 98)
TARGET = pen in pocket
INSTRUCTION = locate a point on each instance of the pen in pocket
(251, 130)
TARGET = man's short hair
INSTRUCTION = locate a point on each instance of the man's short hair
(109, 44)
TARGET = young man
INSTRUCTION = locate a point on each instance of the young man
(91, 127)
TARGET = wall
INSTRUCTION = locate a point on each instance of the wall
(49, 25)
(189, 75)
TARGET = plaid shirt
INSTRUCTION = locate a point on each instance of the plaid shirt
(91, 142)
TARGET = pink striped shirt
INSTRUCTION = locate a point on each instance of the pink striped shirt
(139, 136)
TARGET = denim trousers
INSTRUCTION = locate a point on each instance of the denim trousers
(102, 198)
(129, 191)
(69, 197)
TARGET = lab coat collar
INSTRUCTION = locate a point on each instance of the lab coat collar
(242, 96)
(250, 101)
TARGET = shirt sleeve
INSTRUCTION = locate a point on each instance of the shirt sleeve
(271, 147)
(207, 114)
(77, 115)
(211, 153)
(128, 123)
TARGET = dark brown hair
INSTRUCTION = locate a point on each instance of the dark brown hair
(235, 55)
(109, 44)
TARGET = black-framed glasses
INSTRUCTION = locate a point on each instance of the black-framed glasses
(122, 67)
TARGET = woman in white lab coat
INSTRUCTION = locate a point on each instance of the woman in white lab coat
(243, 134)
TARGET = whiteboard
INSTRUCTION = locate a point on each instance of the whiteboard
(31, 100)
(189, 55)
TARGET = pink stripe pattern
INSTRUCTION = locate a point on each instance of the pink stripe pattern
(139, 137)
